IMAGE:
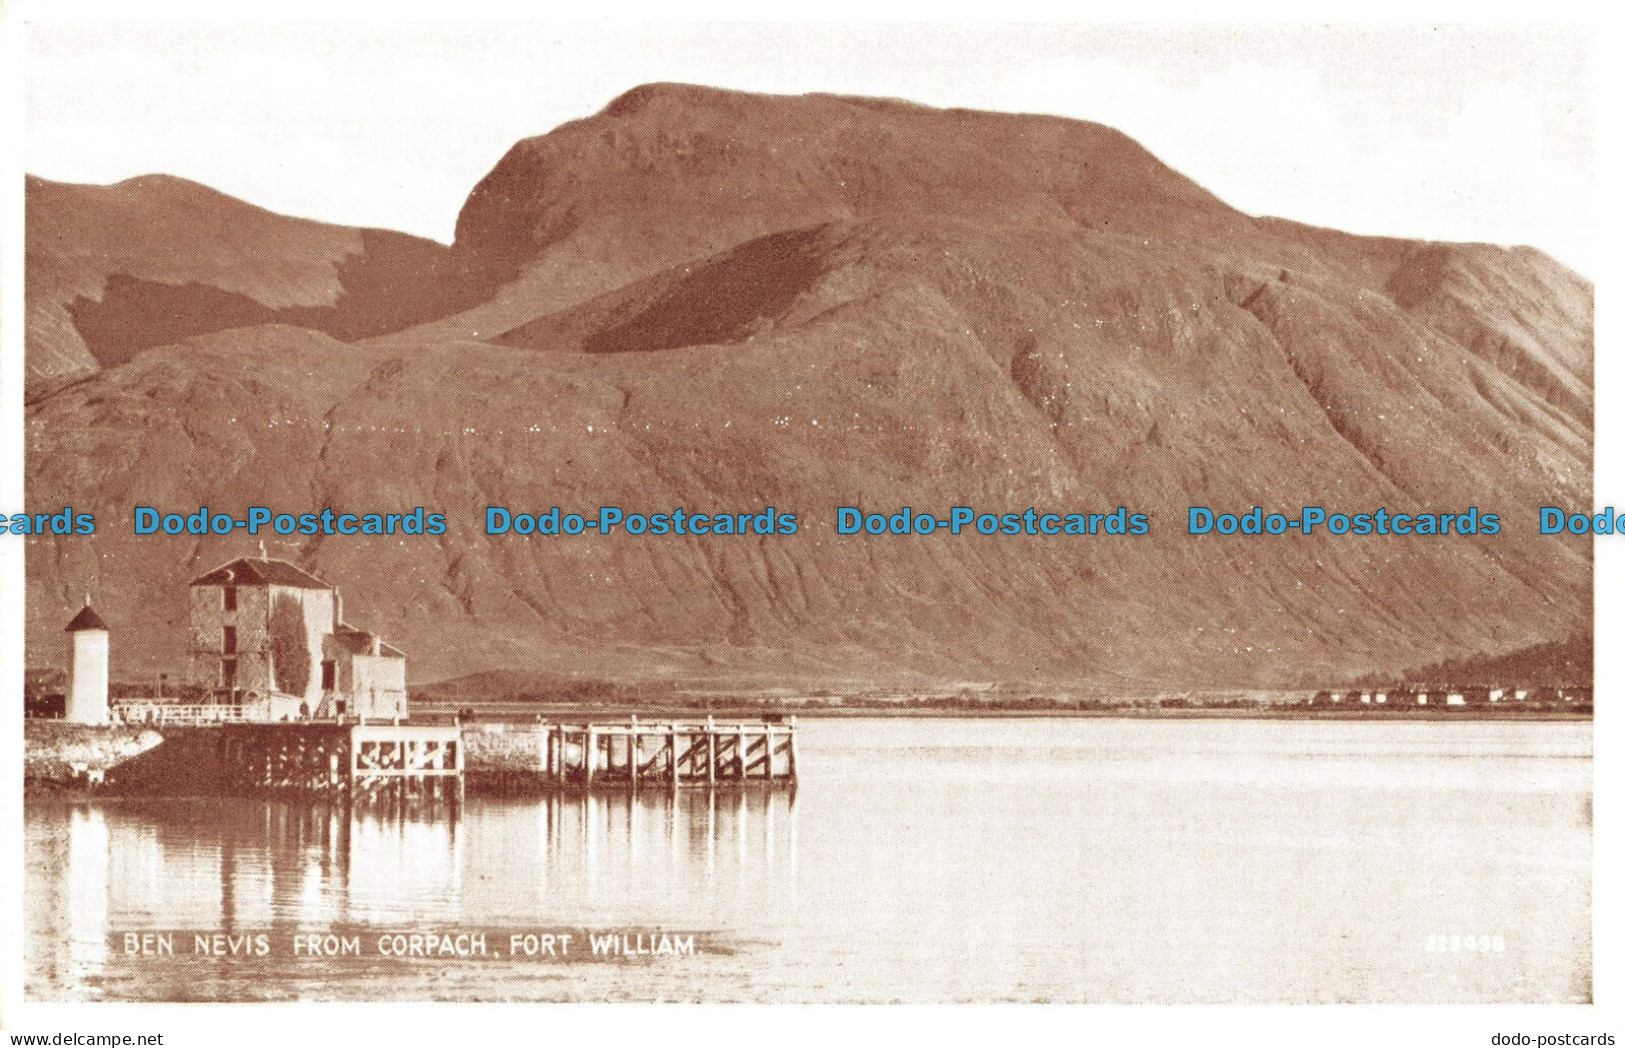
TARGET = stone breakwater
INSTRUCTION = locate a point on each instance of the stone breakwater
(505, 758)
(57, 755)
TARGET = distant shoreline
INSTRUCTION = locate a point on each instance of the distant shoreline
(520, 713)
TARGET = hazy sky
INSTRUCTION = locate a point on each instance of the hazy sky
(1449, 133)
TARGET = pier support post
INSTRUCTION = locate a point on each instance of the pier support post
(792, 746)
(590, 751)
(711, 750)
(632, 753)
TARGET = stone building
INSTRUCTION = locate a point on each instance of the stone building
(271, 637)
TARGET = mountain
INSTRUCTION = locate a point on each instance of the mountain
(113, 270)
(723, 301)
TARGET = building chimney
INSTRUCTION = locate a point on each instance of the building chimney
(87, 688)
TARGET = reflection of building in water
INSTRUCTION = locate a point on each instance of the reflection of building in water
(390, 856)
(88, 855)
(272, 636)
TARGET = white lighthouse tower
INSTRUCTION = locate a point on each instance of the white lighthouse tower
(87, 690)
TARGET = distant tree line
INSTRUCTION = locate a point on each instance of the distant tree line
(1564, 663)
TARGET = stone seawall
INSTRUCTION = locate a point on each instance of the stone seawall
(504, 759)
(61, 755)
(503, 747)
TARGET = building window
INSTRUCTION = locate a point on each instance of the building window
(329, 671)
(228, 674)
(228, 596)
(229, 642)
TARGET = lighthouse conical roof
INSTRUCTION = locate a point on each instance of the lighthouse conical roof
(87, 619)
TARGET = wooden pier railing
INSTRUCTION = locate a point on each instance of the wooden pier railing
(308, 755)
(386, 751)
(162, 714)
(331, 756)
(638, 753)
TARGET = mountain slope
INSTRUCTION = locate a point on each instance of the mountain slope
(722, 302)
(112, 270)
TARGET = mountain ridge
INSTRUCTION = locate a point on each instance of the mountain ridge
(721, 301)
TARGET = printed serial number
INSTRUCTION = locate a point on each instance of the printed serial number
(1457, 943)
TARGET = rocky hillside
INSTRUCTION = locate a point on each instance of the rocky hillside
(113, 270)
(723, 301)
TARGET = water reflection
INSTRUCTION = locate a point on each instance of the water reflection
(603, 847)
(1087, 860)
(89, 862)
(249, 865)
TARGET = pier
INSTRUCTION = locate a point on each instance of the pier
(393, 751)
(629, 755)
(212, 759)
(326, 756)
(637, 754)
(204, 757)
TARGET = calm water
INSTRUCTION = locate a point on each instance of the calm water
(919, 860)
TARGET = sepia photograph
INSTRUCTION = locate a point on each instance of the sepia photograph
(828, 513)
